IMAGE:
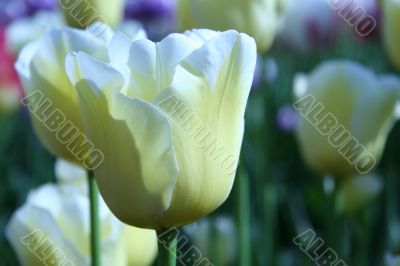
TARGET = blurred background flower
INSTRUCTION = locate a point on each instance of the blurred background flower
(259, 19)
(81, 14)
(157, 16)
(25, 30)
(331, 134)
(308, 25)
(14, 9)
(10, 87)
(391, 36)
(357, 191)
(53, 227)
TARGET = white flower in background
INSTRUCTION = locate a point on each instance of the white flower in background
(65, 216)
(71, 174)
(24, 30)
(359, 107)
(60, 215)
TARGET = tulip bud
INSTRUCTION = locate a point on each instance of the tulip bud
(357, 191)
(81, 14)
(259, 19)
(346, 115)
(52, 228)
(391, 37)
(169, 118)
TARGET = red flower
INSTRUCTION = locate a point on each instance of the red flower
(10, 86)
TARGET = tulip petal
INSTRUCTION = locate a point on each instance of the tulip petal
(380, 103)
(200, 36)
(139, 170)
(153, 64)
(41, 66)
(206, 103)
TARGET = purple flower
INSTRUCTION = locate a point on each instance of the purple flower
(14, 9)
(157, 16)
(148, 10)
(10, 10)
(36, 5)
(287, 118)
(309, 25)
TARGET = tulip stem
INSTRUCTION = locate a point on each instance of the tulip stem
(94, 219)
(167, 243)
(244, 218)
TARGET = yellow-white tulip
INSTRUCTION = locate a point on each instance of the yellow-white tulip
(140, 245)
(41, 67)
(258, 18)
(80, 14)
(52, 228)
(67, 209)
(391, 24)
(168, 117)
(356, 192)
(346, 115)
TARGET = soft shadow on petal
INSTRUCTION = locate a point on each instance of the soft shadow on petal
(139, 170)
(153, 65)
(206, 103)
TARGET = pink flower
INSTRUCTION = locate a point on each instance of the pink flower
(10, 87)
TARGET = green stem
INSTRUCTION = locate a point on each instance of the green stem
(167, 249)
(244, 219)
(94, 219)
